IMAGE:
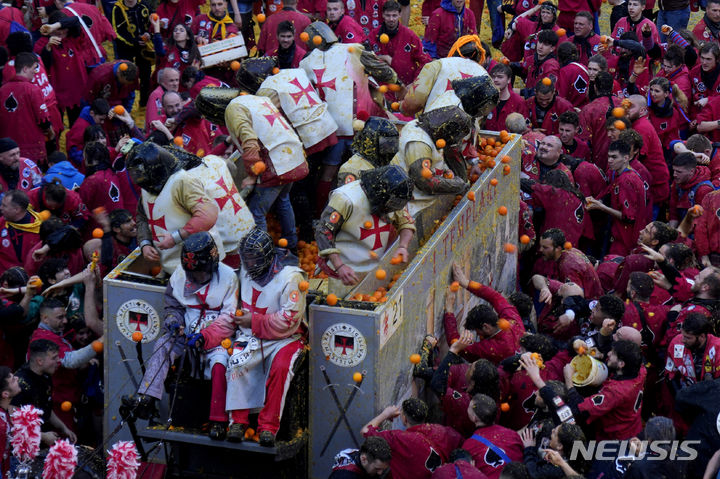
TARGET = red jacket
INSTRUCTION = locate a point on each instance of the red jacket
(16, 245)
(550, 124)
(458, 469)
(668, 127)
(68, 74)
(572, 84)
(711, 112)
(7, 16)
(487, 461)
(579, 150)
(651, 155)
(563, 210)
(572, 266)
(568, 8)
(298, 55)
(73, 210)
(66, 386)
(687, 195)
(549, 68)
(627, 195)
(592, 122)
(368, 13)
(590, 179)
(587, 47)
(203, 26)
(100, 28)
(655, 317)
(268, 34)
(681, 78)
(455, 401)
(29, 176)
(348, 30)
(503, 344)
(707, 226)
(623, 25)
(23, 111)
(103, 83)
(700, 89)
(172, 14)
(101, 189)
(205, 81)
(444, 28)
(703, 34)
(495, 121)
(406, 50)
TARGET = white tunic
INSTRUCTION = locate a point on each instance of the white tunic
(453, 68)
(302, 105)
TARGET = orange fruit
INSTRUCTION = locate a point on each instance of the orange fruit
(535, 356)
(178, 141)
(384, 38)
(491, 163)
(234, 65)
(357, 377)
(619, 125)
(455, 286)
(137, 336)
(581, 350)
(367, 225)
(396, 260)
(506, 159)
(97, 346)
(510, 248)
(239, 312)
(453, 341)
(373, 255)
(275, 70)
(317, 40)
(567, 245)
(502, 211)
(440, 143)
(351, 49)
(506, 170)
(474, 285)
(665, 29)
(200, 152)
(395, 105)
(331, 299)
(304, 36)
(504, 407)
(503, 324)
(155, 270)
(261, 17)
(415, 358)
(155, 17)
(98, 233)
(36, 282)
(494, 182)
(603, 39)
(123, 67)
(380, 274)
(99, 210)
(618, 112)
(525, 239)
(426, 173)
(505, 61)
(303, 285)
(560, 32)
(394, 87)
(471, 195)
(698, 210)
(44, 215)
(226, 343)
(282, 242)
(546, 81)
(249, 433)
(66, 406)
(383, 89)
(119, 110)
(449, 175)
(258, 168)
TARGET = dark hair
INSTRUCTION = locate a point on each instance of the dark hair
(97, 157)
(93, 133)
(24, 60)
(480, 315)
(556, 236)
(50, 268)
(711, 47)
(664, 233)
(568, 434)
(567, 52)
(698, 142)
(682, 255)
(570, 117)
(19, 198)
(58, 16)
(600, 60)
(41, 347)
(130, 74)
(558, 388)
(548, 37)
(485, 378)
(544, 89)
(612, 306)
(629, 353)
(620, 146)
(642, 284)
(485, 408)
(119, 217)
(539, 343)
(54, 191)
(5, 373)
(191, 73)
(713, 282)
(696, 324)
(49, 226)
(285, 26)
(641, 2)
(603, 84)
(559, 179)
(685, 160)
(51, 303)
(56, 157)
(100, 106)
(460, 455)
(19, 42)
(632, 138)
(501, 69)
(587, 15)
(15, 277)
(415, 410)
(522, 302)
(675, 55)
(391, 6)
(660, 428)
(515, 469)
(376, 448)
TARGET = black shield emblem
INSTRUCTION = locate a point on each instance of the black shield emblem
(579, 214)
(433, 460)
(114, 193)
(580, 84)
(598, 399)
(11, 103)
(492, 459)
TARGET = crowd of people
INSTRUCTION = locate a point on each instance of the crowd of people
(342, 128)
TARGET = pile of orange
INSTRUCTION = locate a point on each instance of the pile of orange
(380, 294)
(308, 253)
(488, 148)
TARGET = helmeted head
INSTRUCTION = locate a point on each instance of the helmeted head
(257, 253)
(150, 166)
(478, 95)
(377, 142)
(322, 30)
(449, 123)
(387, 188)
(200, 257)
(254, 71)
(470, 47)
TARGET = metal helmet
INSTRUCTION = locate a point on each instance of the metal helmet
(254, 71)
(322, 30)
(257, 253)
(477, 94)
(387, 188)
(200, 253)
(211, 102)
(377, 142)
(150, 166)
(449, 123)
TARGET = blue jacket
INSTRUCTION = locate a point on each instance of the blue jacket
(68, 175)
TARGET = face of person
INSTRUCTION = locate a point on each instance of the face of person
(179, 33)
(334, 10)
(391, 18)
(713, 12)
(375, 468)
(708, 61)
(693, 341)
(55, 318)
(683, 174)
(616, 160)
(566, 132)
(647, 234)
(128, 229)
(61, 275)
(613, 133)
(172, 104)
(218, 8)
(546, 15)
(199, 277)
(596, 315)
(458, 4)
(11, 158)
(547, 250)
(10, 210)
(285, 39)
(593, 69)
(613, 363)
(582, 27)
(49, 363)
(543, 49)
(635, 111)
(544, 99)
(549, 150)
(658, 95)
(554, 441)
(634, 9)
(500, 81)
(171, 80)
(13, 385)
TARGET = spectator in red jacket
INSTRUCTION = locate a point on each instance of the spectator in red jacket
(585, 39)
(707, 231)
(288, 51)
(573, 79)
(61, 202)
(675, 70)
(708, 29)
(461, 464)
(543, 64)
(101, 187)
(568, 131)
(19, 228)
(116, 82)
(448, 23)
(509, 101)
(346, 29)
(545, 108)
(666, 112)
(705, 77)
(690, 185)
(268, 40)
(371, 460)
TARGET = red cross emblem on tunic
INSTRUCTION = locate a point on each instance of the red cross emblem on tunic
(229, 196)
(155, 222)
(462, 77)
(321, 84)
(251, 307)
(304, 92)
(376, 230)
(275, 115)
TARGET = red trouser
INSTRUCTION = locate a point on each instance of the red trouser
(269, 418)
(217, 395)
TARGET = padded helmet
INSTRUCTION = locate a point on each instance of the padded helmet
(477, 94)
(322, 30)
(449, 123)
(200, 253)
(150, 166)
(387, 188)
(377, 142)
(254, 71)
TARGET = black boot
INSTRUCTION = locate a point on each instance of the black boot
(267, 439)
(236, 432)
(217, 430)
